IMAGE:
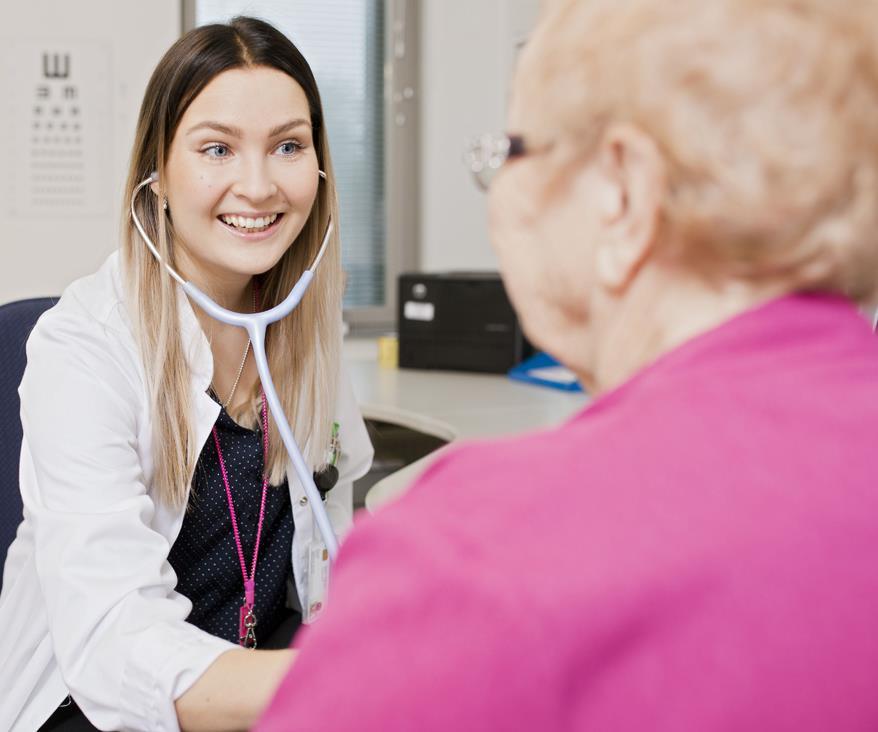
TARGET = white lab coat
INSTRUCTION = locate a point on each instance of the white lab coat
(88, 605)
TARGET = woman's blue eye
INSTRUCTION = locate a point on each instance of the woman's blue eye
(217, 151)
(289, 147)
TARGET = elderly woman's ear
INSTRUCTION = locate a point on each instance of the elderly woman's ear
(630, 186)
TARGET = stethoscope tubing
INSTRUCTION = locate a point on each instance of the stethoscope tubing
(256, 325)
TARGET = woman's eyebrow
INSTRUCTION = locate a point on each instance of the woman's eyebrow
(287, 126)
(233, 131)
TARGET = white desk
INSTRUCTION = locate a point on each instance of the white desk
(449, 405)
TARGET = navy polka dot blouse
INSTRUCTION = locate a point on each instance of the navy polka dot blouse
(205, 557)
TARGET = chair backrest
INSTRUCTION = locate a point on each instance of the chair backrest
(17, 319)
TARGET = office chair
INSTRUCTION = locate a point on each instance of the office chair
(17, 319)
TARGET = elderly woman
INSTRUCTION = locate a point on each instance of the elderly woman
(687, 215)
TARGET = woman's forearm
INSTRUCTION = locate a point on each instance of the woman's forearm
(234, 690)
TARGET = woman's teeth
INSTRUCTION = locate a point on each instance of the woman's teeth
(241, 222)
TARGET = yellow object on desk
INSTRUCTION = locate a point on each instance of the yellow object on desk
(388, 352)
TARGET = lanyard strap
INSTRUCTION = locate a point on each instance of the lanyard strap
(247, 635)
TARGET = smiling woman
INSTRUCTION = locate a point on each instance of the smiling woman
(252, 182)
(165, 527)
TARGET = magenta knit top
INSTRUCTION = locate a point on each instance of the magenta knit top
(696, 550)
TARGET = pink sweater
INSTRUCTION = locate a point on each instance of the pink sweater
(696, 550)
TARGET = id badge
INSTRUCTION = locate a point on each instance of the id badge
(318, 581)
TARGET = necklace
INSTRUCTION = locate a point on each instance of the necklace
(243, 359)
(238, 377)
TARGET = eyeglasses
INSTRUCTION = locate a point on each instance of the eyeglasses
(486, 155)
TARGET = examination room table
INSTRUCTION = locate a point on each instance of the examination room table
(447, 405)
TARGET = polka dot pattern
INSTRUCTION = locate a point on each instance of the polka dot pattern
(204, 555)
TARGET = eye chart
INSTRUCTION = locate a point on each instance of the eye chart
(61, 114)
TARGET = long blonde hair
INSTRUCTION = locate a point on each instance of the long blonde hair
(303, 348)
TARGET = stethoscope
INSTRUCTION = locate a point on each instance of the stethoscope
(256, 324)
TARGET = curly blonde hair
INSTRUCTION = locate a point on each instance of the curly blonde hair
(765, 112)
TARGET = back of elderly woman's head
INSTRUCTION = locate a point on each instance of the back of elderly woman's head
(762, 119)
(766, 114)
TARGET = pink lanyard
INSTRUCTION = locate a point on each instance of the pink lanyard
(247, 618)
(247, 622)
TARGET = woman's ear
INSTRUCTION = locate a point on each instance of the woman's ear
(154, 185)
(632, 186)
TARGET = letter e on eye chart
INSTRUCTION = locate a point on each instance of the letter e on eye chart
(59, 128)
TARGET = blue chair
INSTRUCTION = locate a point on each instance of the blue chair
(17, 319)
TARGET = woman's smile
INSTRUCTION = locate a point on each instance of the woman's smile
(251, 227)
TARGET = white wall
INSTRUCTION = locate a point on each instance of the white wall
(467, 52)
(44, 251)
(466, 60)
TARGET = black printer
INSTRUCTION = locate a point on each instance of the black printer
(458, 320)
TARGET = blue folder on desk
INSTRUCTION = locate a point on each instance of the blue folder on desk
(544, 370)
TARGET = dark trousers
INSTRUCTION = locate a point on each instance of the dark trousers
(70, 718)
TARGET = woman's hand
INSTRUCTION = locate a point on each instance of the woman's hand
(234, 691)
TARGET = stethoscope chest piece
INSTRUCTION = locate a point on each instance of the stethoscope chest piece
(327, 476)
(325, 479)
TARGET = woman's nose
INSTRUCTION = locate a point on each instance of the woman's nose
(254, 182)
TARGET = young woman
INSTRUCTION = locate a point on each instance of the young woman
(152, 489)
